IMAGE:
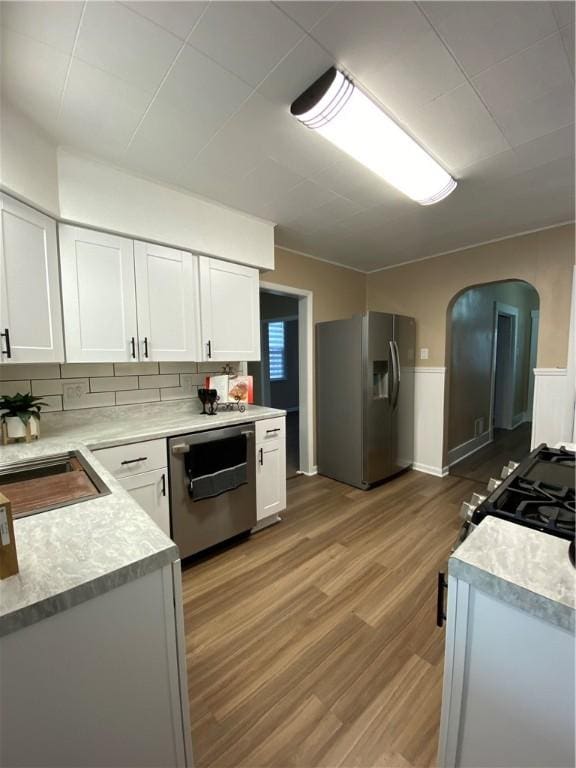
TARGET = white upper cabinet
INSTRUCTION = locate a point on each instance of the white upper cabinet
(168, 303)
(230, 310)
(99, 296)
(30, 312)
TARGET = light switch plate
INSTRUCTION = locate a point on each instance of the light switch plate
(424, 353)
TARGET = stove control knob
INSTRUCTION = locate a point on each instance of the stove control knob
(466, 511)
(505, 472)
(493, 484)
(477, 499)
(513, 465)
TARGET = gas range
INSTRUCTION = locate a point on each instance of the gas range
(538, 493)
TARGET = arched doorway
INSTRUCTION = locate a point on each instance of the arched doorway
(492, 337)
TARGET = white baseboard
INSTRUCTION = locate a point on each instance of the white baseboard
(428, 470)
(266, 522)
(308, 474)
(466, 449)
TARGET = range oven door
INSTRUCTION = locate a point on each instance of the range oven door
(201, 523)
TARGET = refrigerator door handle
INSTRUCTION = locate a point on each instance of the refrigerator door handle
(397, 353)
(397, 360)
(395, 376)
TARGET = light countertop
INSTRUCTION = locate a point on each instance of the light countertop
(106, 427)
(527, 568)
(73, 553)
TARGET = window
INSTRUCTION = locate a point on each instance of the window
(277, 350)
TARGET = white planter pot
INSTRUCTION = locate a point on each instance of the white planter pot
(16, 428)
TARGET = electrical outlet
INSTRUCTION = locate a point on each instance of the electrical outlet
(73, 393)
(424, 353)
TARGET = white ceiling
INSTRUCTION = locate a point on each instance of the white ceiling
(196, 94)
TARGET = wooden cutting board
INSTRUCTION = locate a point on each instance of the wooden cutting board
(30, 495)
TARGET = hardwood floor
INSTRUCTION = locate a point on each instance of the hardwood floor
(488, 461)
(313, 643)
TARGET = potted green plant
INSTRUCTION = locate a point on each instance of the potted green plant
(20, 415)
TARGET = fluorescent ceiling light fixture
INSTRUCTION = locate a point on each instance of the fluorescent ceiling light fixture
(348, 118)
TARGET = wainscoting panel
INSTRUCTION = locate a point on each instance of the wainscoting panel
(429, 420)
(550, 424)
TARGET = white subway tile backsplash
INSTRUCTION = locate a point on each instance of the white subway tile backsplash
(76, 396)
(53, 403)
(178, 393)
(14, 387)
(113, 383)
(137, 396)
(73, 386)
(135, 369)
(77, 370)
(162, 380)
(20, 372)
(178, 367)
(54, 386)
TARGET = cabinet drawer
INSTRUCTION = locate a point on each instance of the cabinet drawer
(270, 429)
(132, 459)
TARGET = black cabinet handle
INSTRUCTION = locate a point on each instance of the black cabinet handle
(269, 431)
(145, 346)
(133, 346)
(8, 350)
(163, 485)
(209, 348)
(134, 461)
(440, 615)
(261, 456)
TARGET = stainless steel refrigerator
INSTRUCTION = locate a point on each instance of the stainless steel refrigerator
(365, 397)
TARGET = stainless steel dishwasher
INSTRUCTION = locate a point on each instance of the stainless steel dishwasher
(212, 486)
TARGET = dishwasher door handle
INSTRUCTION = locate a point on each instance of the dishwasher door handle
(180, 448)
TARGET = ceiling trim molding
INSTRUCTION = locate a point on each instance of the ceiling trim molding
(468, 247)
(319, 258)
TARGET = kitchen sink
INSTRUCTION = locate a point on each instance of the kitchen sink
(50, 482)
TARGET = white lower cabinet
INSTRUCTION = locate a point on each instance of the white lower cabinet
(141, 468)
(102, 683)
(150, 490)
(270, 468)
(508, 697)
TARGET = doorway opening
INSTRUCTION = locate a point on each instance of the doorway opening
(492, 347)
(283, 375)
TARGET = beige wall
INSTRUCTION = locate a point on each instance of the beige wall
(338, 292)
(471, 341)
(425, 289)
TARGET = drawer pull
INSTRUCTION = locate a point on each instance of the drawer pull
(261, 456)
(6, 337)
(134, 461)
(163, 484)
(440, 613)
(269, 431)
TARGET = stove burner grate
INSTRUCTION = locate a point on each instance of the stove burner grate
(549, 514)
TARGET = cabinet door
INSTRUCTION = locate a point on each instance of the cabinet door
(150, 490)
(30, 311)
(167, 296)
(99, 296)
(230, 310)
(271, 479)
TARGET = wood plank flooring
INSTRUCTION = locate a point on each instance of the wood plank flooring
(313, 644)
(488, 461)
